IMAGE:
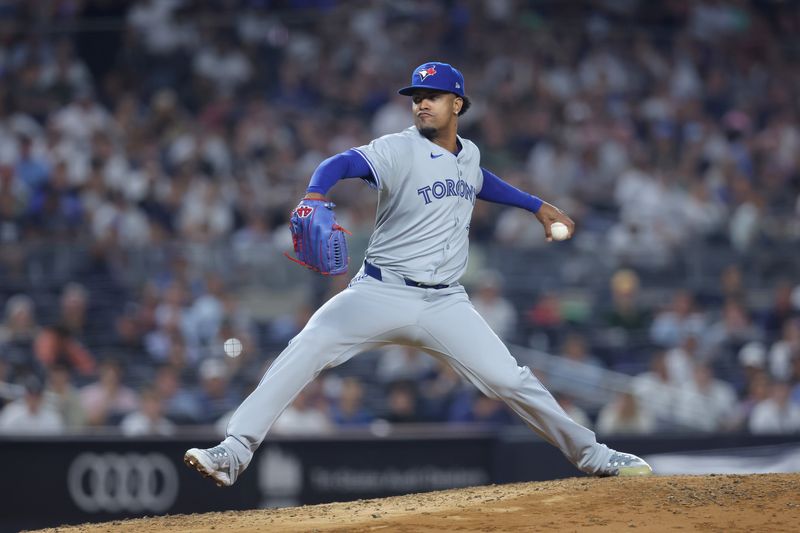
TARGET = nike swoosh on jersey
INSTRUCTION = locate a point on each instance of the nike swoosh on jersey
(435, 156)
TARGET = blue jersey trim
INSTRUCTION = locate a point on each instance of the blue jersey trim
(498, 191)
(340, 166)
(378, 182)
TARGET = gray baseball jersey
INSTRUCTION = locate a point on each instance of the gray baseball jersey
(424, 205)
(426, 200)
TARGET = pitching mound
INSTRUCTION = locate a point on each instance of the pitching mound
(681, 503)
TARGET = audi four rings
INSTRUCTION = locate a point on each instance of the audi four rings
(114, 482)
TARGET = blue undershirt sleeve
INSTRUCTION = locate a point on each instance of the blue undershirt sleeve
(349, 164)
(498, 191)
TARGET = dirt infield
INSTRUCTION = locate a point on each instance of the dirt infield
(730, 503)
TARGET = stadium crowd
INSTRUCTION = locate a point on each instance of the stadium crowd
(151, 150)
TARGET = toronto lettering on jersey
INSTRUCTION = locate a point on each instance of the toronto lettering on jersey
(440, 189)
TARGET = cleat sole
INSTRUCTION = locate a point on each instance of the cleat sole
(636, 471)
(194, 463)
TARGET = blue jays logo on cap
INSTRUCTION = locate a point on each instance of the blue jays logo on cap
(435, 75)
(424, 73)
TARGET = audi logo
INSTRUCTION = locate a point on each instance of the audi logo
(128, 482)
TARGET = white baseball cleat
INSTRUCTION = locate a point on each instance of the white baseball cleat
(218, 463)
(625, 464)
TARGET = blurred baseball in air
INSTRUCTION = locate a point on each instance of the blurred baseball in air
(232, 347)
(559, 231)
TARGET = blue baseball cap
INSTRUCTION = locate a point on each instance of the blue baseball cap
(437, 76)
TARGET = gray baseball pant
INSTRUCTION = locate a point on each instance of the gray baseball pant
(372, 313)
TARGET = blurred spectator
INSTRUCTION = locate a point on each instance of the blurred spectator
(128, 346)
(205, 316)
(223, 64)
(82, 118)
(214, 397)
(31, 415)
(704, 213)
(626, 311)
(624, 416)
(64, 397)
(66, 74)
(166, 342)
(306, 415)
(639, 246)
(731, 282)
(13, 203)
(108, 399)
(118, 220)
(680, 361)
(654, 390)
(781, 309)
(252, 243)
(745, 222)
(493, 307)
(438, 391)
(723, 338)
(775, 414)
(577, 367)
(56, 344)
(74, 305)
(402, 403)
(758, 390)
(705, 403)
(349, 409)
(475, 408)
(391, 117)
(156, 23)
(730, 287)
(545, 318)
(398, 362)
(149, 418)
(752, 362)
(31, 169)
(55, 208)
(680, 320)
(205, 214)
(17, 334)
(646, 235)
(172, 310)
(179, 404)
(784, 350)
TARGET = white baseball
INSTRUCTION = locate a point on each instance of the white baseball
(232, 347)
(559, 231)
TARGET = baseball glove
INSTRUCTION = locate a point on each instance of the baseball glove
(319, 242)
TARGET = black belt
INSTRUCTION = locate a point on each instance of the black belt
(375, 272)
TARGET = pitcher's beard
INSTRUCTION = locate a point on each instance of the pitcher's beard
(428, 132)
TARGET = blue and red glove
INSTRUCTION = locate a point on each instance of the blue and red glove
(319, 242)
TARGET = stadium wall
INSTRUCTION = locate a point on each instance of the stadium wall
(77, 480)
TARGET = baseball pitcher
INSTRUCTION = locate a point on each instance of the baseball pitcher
(407, 292)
